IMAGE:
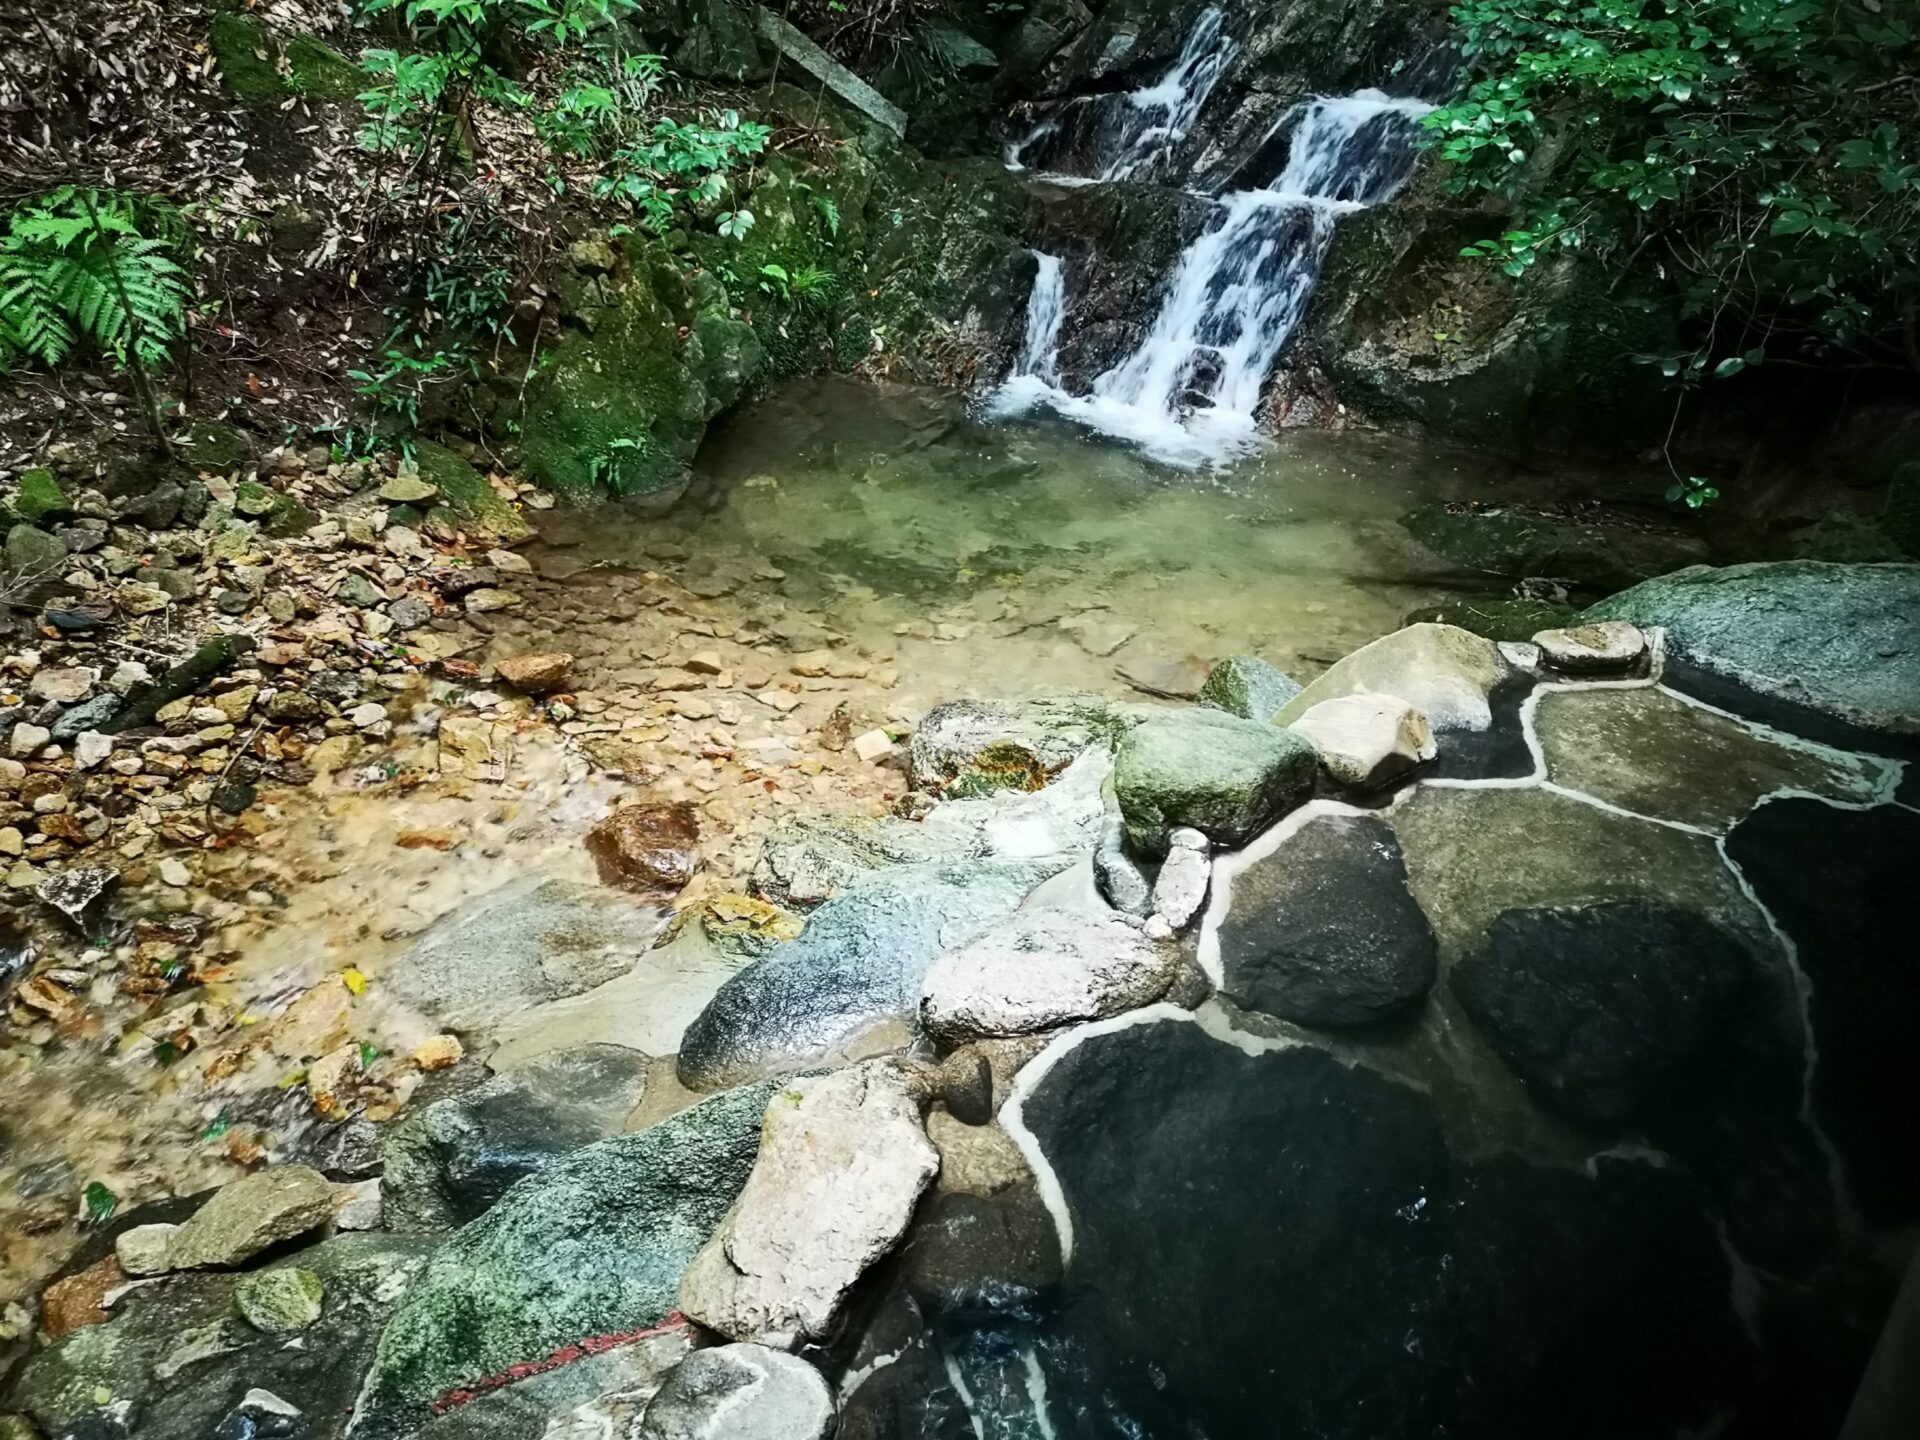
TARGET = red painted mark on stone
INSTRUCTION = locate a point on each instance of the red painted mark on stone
(565, 1355)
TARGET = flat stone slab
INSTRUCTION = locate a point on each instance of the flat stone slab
(1654, 754)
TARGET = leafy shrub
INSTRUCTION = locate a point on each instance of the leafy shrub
(82, 266)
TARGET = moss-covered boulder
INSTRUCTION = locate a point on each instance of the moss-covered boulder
(621, 405)
(263, 68)
(1227, 777)
(211, 445)
(280, 1301)
(1820, 645)
(592, 1245)
(39, 497)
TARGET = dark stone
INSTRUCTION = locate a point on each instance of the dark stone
(235, 797)
(334, 687)
(78, 616)
(232, 602)
(160, 507)
(1839, 882)
(974, 1251)
(452, 1160)
(1605, 1010)
(1287, 1199)
(90, 714)
(211, 659)
(1325, 931)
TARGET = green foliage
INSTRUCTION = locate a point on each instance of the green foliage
(67, 260)
(1760, 156)
(682, 163)
(1696, 492)
(100, 1202)
(607, 469)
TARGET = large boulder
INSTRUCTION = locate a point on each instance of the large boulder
(1039, 969)
(1448, 674)
(595, 1395)
(1604, 1010)
(626, 399)
(1587, 547)
(1226, 777)
(1324, 931)
(530, 941)
(854, 972)
(450, 1161)
(592, 1245)
(843, 1159)
(1821, 644)
(1367, 741)
(740, 1392)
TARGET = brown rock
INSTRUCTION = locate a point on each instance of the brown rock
(74, 1303)
(1174, 679)
(535, 674)
(647, 848)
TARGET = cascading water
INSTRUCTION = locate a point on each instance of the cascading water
(1046, 313)
(1189, 393)
(1133, 135)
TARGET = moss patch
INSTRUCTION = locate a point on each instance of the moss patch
(39, 497)
(250, 57)
(466, 500)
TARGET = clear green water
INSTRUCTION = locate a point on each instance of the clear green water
(1002, 558)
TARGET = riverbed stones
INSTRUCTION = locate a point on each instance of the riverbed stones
(854, 975)
(1039, 969)
(247, 1215)
(651, 849)
(740, 1392)
(592, 1245)
(1447, 674)
(1325, 931)
(1606, 1010)
(1603, 648)
(535, 674)
(1249, 687)
(843, 1160)
(176, 1360)
(532, 940)
(280, 1301)
(453, 1159)
(1227, 777)
(142, 1250)
(1366, 742)
(1823, 645)
(1180, 889)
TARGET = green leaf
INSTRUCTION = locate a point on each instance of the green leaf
(100, 1202)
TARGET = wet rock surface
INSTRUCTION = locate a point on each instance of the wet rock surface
(649, 849)
(740, 1392)
(1448, 674)
(1324, 931)
(453, 1159)
(1607, 1010)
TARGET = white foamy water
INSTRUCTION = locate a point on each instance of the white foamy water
(1134, 134)
(1046, 313)
(1189, 394)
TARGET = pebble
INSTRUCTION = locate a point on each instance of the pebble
(872, 745)
(175, 873)
(90, 748)
(28, 739)
(365, 717)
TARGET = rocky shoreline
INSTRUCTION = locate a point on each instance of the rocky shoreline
(1457, 939)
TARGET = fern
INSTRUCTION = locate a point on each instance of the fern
(65, 262)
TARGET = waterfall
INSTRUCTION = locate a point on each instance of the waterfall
(1133, 135)
(1188, 395)
(1046, 311)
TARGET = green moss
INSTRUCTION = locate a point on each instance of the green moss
(213, 446)
(315, 68)
(466, 499)
(39, 497)
(288, 517)
(249, 55)
(622, 407)
(1497, 617)
(244, 49)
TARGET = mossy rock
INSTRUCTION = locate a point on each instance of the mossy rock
(621, 408)
(39, 497)
(249, 55)
(465, 496)
(211, 445)
(280, 1302)
(1848, 539)
(1900, 521)
(316, 69)
(1249, 687)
